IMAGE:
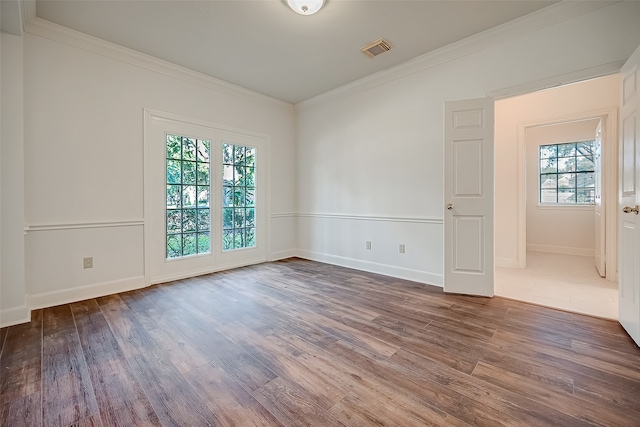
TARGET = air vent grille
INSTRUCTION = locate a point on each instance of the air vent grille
(376, 48)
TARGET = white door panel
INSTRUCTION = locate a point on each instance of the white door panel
(629, 223)
(469, 266)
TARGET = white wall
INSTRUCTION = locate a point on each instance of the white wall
(515, 114)
(557, 229)
(84, 104)
(375, 149)
(13, 308)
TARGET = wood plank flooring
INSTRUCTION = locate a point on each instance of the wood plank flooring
(300, 343)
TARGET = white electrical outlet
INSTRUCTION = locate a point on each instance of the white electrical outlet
(368, 244)
(88, 262)
(401, 249)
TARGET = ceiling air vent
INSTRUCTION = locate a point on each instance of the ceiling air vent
(376, 48)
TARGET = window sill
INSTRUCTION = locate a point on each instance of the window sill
(567, 207)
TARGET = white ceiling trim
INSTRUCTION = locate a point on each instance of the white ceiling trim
(42, 28)
(530, 23)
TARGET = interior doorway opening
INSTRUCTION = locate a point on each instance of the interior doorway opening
(547, 254)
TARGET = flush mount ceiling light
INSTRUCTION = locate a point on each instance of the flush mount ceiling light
(305, 7)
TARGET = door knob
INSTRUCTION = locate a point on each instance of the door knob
(449, 206)
(629, 209)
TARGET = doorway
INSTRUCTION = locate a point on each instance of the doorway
(545, 254)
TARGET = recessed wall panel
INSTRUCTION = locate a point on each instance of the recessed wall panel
(468, 119)
(628, 290)
(629, 155)
(468, 235)
(467, 168)
(629, 87)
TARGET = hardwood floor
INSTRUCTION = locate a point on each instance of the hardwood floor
(300, 343)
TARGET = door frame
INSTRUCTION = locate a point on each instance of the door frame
(609, 119)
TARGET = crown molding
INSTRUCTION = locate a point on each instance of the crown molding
(49, 30)
(543, 18)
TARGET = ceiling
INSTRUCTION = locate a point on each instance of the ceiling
(266, 47)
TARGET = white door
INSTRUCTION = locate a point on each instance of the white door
(629, 221)
(468, 197)
(599, 209)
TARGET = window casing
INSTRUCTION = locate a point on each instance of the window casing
(566, 173)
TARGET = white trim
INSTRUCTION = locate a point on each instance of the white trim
(81, 225)
(373, 267)
(284, 215)
(507, 262)
(609, 119)
(67, 296)
(566, 250)
(289, 253)
(565, 207)
(14, 316)
(42, 28)
(358, 217)
(543, 18)
(205, 271)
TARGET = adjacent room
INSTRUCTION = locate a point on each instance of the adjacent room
(319, 213)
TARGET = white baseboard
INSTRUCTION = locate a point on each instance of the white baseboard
(289, 253)
(565, 250)
(67, 296)
(373, 267)
(14, 316)
(203, 271)
(507, 262)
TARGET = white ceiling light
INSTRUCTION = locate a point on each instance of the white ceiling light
(305, 7)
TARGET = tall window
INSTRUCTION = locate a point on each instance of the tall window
(567, 173)
(238, 197)
(188, 195)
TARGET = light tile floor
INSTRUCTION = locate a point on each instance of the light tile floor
(566, 282)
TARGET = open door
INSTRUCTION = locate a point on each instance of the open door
(600, 225)
(629, 221)
(468, 197)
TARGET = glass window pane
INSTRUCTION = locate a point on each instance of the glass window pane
(548, 165)
(566, 180)
(227, 154)
(250, 177)
(585, 163)
(549, 182)
(227, 218)
(189, 244)
(250, 156)
(174, 221)
(173, 171)
(203, 196)
(204, 243)
(188, 172)
(203, 151)
(203, 174)
(174, 196)
(238, 153)
(250, 217)
(547, 151)
(549, 196)
(566, 150)
(227, 196)
(238, 238)
(566, 164)
(227, 175)
(566, 195)
(249, 197)
(204, 220)
(227, 240)
(238, 197)
(174, 147)
(188, 220)
(239, 175)
(585, 195)
(188, 149)
(586, 179)
(585, 148)
(251, 237)
(174, 245)
(238, 218)
(188, 196)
